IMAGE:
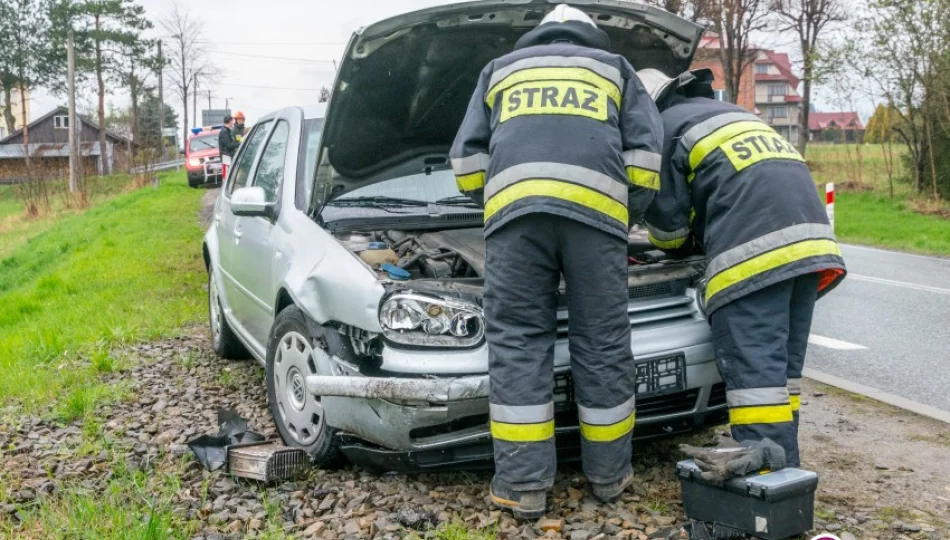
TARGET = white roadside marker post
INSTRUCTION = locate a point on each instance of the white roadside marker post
(830, 203)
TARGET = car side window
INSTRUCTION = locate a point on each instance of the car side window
(270, 170)
(242, 166)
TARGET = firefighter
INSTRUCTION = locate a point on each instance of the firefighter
(227, 144)
(736, 190)
(560, 144)
(239, 129)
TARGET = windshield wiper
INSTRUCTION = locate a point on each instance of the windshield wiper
(377, 201)
(457, 200)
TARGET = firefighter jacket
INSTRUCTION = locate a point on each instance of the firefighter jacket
(743, 194)
(562, 129)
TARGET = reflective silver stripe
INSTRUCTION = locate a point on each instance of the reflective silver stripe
(667, 236)
(708, 126)
(768, 242)
(749, 397)
(521, 414)
(643, 159)
(794, 386)
(470, 164)
(557, 171)
(605, 417)
(606, 71)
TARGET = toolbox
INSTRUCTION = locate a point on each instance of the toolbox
(771, 506)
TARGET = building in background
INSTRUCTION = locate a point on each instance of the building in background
(707, 57)
(776, 94)
(49, 148)
(843, 127)
(20, 113)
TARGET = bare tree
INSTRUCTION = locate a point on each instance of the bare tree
(693, 10)
(808, 20)
(734, 22)
(186, 56)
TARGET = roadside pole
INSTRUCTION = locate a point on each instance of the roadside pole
(161, 110)
(830, 203)
(73, 146)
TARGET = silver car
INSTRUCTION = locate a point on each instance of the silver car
(343, 258)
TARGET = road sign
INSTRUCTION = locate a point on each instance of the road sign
(213, 117)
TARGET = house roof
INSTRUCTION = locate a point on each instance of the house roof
(784, 65)
(821, 121)
(61, 110)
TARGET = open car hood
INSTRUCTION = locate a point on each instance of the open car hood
(404, 83)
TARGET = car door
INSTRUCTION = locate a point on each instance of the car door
(256, 241)
(226, 223)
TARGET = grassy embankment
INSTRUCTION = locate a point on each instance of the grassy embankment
(864, 211)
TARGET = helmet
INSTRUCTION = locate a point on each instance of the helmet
(239, 115)
(656, 83)
(563, 13)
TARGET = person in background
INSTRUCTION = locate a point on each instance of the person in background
(561, 144)
(734, 189)
(227, 144)
(239, 130)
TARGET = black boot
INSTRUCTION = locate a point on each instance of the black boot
(523, 504)
(608, 493)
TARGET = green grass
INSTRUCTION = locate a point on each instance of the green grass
(128, 269)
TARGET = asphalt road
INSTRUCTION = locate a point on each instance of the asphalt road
(887, 325)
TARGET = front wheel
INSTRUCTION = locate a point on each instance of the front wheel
(298, 414)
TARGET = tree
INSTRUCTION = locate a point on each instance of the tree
(880, 127)
(734, 22)
(186, 56)
(24, 45)
(324, 95)
(136, 64)
(808, 20)
(148, 119)
(104, 28)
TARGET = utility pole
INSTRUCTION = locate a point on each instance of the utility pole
(161, 104)
(194, 98)
(209, 99)
(73, 143)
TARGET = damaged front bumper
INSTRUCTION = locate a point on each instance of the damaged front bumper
(414, 421)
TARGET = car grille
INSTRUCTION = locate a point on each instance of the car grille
(644, 313)
(647, 406)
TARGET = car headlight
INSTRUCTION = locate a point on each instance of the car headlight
(194, 162)
(413, 319)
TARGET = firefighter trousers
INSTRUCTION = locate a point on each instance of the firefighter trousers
(760, 341)
(525, 261)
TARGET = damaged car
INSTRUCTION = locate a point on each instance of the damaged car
(343, 258)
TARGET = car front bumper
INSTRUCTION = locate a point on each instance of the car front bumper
(414, 421)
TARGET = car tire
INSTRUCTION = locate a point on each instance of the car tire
(194, 182)
(223, 340)
(299, 416)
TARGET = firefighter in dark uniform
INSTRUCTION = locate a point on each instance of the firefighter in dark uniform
(561, 145)
(735, 189)
(239, 130)
(227, 144)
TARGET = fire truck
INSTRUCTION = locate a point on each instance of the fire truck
(202, 157)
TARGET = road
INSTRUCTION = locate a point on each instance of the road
(887, 325)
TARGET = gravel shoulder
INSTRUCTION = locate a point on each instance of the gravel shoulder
(883, 472)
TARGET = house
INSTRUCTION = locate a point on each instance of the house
(49, 148)
(16, 108)
(835, 127)
(776, 94)
(707, 57)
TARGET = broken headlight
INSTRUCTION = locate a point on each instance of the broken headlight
(414, 319)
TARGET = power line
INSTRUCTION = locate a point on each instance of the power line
(281, 43)
(268, 87)
(241, 55)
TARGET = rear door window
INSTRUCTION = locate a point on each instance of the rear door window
(245, 160)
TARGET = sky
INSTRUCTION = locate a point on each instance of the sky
(271, 53)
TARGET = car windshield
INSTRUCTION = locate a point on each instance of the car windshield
(437, 186)
(204, 143)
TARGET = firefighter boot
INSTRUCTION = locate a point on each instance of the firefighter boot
(523, 504)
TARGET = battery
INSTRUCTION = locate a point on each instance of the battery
(771, 506)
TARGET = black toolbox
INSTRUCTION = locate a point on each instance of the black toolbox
(771, 506)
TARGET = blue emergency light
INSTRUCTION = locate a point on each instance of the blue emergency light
(195, 130)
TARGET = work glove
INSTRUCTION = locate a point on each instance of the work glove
(731, 459)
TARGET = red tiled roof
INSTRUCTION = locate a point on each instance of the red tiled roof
(784, 66)
(821, 121)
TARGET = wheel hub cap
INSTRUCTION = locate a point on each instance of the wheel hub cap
(300, 412)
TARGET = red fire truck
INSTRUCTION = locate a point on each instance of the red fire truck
(202, 157)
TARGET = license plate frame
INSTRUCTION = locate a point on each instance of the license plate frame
(661, 376)
(214, 168)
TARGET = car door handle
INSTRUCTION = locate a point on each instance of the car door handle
(238, 234)
(217, 218)
(278, 255)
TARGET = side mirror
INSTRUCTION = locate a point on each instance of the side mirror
(251, 201)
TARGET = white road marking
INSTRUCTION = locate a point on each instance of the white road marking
(904, 284)
(823, 341)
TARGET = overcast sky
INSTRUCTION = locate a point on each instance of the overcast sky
(272, 53)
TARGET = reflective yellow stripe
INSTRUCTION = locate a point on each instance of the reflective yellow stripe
(765, 414)
(610, 432)
(471, 182)
(644, 178)
(716, 138)
(769, 261)
(558, 190)
(522, 432)
(666, 244)
(796, 402)
(555, 74)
